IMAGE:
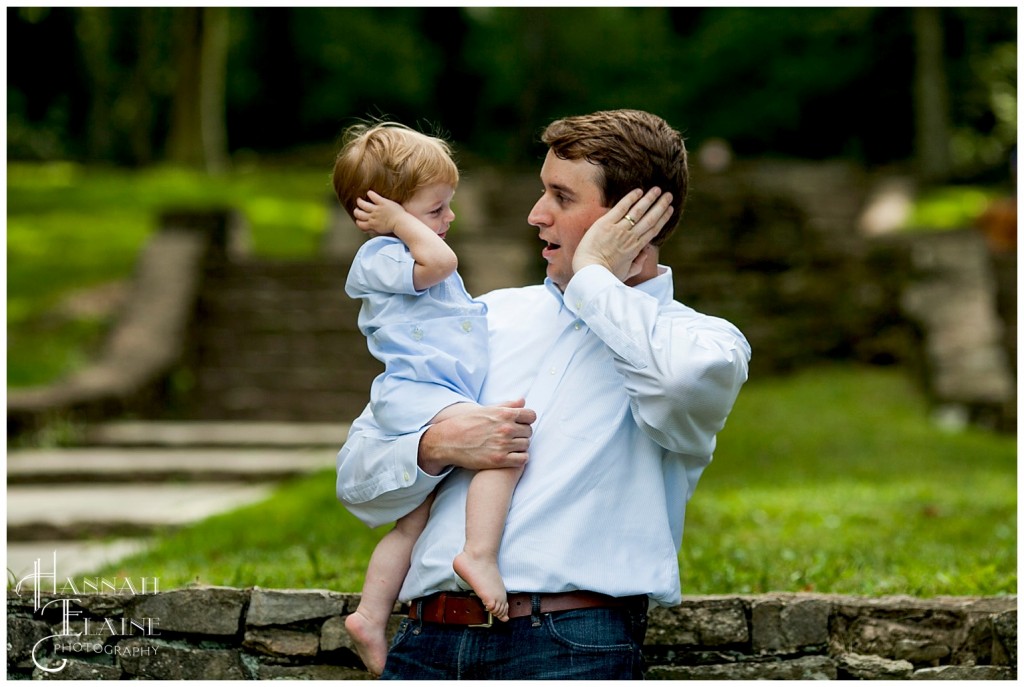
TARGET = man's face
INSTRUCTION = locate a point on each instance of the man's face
(571, 202)
(432, 206)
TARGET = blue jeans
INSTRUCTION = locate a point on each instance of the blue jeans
(594, 644)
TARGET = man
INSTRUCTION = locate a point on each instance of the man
(625, 390)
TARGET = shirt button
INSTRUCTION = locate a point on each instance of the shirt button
(405, 475)
(577, 326)
(417, 333)
(467, 326)
(579, 303)
(552, 371)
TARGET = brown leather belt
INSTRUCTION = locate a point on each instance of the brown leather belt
(466, 608)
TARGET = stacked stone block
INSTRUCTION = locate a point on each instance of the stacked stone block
(228, 633)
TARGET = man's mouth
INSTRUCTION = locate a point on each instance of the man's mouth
(549, 249)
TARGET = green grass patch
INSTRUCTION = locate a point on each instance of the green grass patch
(831, 480)
(835, 481)
(71, 227)
(949, 207)
(301, 537)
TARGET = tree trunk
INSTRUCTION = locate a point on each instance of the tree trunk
(213, 64)
(198, 130)
(931, 96)
(140, 93)
(92, 28)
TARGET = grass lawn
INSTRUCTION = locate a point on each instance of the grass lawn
(832, 480)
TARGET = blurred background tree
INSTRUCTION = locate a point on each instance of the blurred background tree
(878, 85)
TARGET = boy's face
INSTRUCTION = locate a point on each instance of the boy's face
(432, 206)
(571, 202)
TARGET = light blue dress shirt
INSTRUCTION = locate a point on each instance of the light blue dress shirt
(433, 343)
(630, 388)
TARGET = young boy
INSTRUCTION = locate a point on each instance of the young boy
(397, 184)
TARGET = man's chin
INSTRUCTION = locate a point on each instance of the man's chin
(557, 279)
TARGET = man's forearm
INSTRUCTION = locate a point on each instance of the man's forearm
(488, 437)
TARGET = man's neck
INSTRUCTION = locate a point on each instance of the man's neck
(649, 269)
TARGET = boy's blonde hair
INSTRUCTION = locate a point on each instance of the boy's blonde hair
(391, 159)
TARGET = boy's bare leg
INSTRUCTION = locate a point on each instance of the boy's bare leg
(487, 503)
(389, 563)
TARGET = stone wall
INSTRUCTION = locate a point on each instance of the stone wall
(228, 633)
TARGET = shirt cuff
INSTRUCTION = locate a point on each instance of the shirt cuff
(585, 284)
(408, 471)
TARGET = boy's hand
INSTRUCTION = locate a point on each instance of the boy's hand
(376, 215)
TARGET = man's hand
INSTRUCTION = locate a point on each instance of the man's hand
(619, 240)
(486, 437)
(376, 215)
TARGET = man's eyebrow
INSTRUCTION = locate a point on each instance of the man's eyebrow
(561, 188)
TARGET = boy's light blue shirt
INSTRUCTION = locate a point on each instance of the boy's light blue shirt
(433, 343)
(630, 389)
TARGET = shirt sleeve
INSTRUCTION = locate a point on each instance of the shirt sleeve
(382, 265)
(378, 479)
(682, 370)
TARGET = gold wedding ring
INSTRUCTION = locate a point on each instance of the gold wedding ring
(632, 222)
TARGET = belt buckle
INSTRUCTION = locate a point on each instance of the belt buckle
(490, 618)
(489, 623)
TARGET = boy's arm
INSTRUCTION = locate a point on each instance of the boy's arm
(434, 260)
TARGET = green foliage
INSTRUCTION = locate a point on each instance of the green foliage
(753, 75)
(342, 44)
(71, 226)
(949, 207)
(831, 480)
(794, 81)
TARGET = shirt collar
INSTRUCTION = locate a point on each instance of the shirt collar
(660, 287)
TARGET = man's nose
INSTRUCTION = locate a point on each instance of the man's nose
(538, 216)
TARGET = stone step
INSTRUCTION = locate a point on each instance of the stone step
(278, 341)
(132, 433)
(249, 403)
(74, 557)
(276, 374)
(60, 512)
(221, 338)
(138, 465)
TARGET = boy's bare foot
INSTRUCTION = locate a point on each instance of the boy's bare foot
(369, 640)
(485, 579)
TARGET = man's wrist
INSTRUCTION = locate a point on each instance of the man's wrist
(427, 456)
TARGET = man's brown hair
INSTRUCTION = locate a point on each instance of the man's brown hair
(634, 149)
